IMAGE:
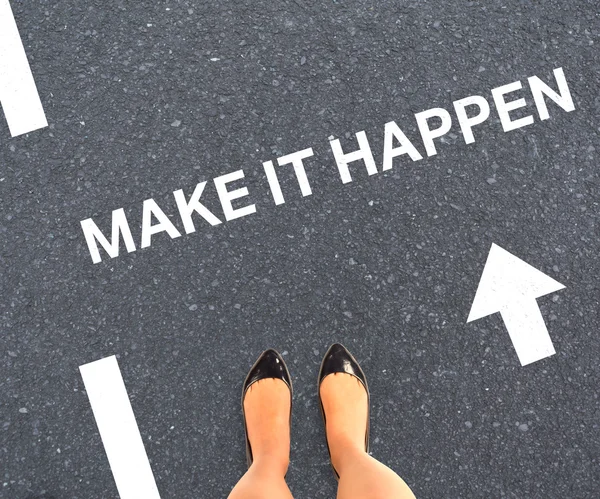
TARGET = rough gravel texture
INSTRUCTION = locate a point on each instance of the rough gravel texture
(387, 264)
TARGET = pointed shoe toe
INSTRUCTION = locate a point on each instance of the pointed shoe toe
(339, 360)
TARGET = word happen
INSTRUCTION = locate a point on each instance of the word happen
(469, 112)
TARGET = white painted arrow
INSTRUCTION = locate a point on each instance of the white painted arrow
(510, 286)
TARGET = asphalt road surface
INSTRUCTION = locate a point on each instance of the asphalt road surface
(144, 98)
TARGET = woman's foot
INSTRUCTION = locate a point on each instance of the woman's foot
(267, 406)
(346, 406)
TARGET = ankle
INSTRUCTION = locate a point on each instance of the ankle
(271, 462)
(344, 436)
(344, 451)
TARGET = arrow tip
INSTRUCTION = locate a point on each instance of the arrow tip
(506, 278)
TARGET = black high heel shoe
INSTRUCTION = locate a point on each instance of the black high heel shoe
(270, 364)
(339, 360)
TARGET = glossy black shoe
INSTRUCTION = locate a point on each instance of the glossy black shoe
(339, 360)
(270, 364)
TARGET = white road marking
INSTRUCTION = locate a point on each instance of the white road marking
(510, 286)
(18, 93)
(118, 429)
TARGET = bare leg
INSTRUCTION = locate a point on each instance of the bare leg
(361, 476)
(267, 405)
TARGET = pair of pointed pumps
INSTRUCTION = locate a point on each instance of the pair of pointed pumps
(270, 364)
